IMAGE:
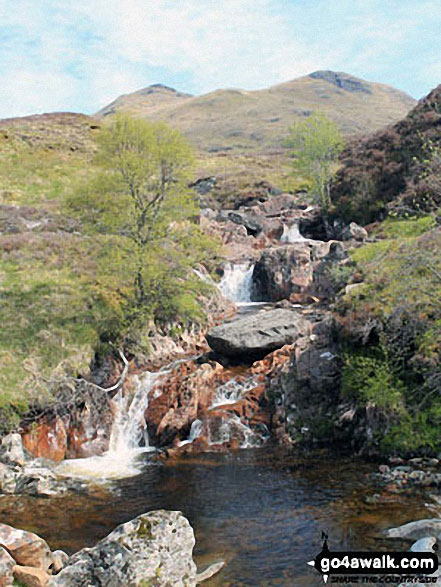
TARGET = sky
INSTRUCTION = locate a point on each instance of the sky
(57, 55)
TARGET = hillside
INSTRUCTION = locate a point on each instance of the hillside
(395, 168)
(239, 119)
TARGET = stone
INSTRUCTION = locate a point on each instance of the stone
(12, 449)
(283, 271)
(417, 530)
(8, 479)
(7, 564)
(424, 545)
(258, 334)
(354, 231)
(26, 548)
(47, 440)
(209, 572)
(155, 548)
(31, 576)
(59, 561)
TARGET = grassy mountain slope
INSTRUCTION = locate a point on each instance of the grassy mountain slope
(241, 119)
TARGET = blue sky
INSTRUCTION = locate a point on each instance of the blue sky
(80, 55)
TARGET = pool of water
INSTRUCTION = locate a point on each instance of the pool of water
(262, 511)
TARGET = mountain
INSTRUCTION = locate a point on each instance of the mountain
(397, 168)
(240, 119)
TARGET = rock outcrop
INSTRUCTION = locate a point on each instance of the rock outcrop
(258, 334)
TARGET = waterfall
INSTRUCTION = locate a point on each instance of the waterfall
(291, 234)
(129, 432)
(129, 428)
(195, 432)
(231, 392)
(237, 281)
(231, 428)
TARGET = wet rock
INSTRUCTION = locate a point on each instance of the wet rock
(209, 572)
(11, 450)
(283, 271)
(7, 564)
(26, 548)
(257, 334)
(155, 548)
(31, 576)
(417, 530)
(47, 440)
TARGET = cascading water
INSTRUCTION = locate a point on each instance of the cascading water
(195, 432)
(231, 392)
(231, 428)
(236, 282)
(129, 432)
(291, 234)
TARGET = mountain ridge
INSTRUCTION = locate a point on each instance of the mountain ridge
(232, 118)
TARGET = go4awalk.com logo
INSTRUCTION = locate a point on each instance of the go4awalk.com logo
(375, 567)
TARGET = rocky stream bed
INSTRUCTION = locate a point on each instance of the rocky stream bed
(224, 426)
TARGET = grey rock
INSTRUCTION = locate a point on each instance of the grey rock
(424, 544)
(209, 572)
(12, 450)
(417, 530)
(155, 547)
(354, 231)
(257, 334)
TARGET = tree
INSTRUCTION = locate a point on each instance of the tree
(316, 143)
(139, 204)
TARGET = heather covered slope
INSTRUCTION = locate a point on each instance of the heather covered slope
(239, 119)
(398, 167)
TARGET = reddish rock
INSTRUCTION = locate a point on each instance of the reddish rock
(30, 576)
(26, 548)
(47, 440)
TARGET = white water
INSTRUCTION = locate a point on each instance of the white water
(291, 234)
(233, 428)
(231, 392)
(195, 432)
(236, 282)
(129, 431)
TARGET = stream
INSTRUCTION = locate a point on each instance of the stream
(260, 510)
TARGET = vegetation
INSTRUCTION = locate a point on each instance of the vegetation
(79, 275)
(250, 121)
(397, 369)
(316, 143)
(396, 169)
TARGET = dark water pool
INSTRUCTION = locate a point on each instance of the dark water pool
(262, 511)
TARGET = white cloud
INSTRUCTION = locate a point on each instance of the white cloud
(55, 55)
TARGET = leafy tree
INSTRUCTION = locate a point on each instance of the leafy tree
(140, 197)
(316, 143)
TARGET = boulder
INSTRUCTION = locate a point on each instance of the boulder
(282, 271)
(26, 548)
(417, 530)
(59, 561)
(7, 564)
(11, 450)
(153, 549)
(258, 334)
(354, 232)
(31, 576)
(424, 544)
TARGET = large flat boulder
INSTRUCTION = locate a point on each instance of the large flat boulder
(257, 334)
